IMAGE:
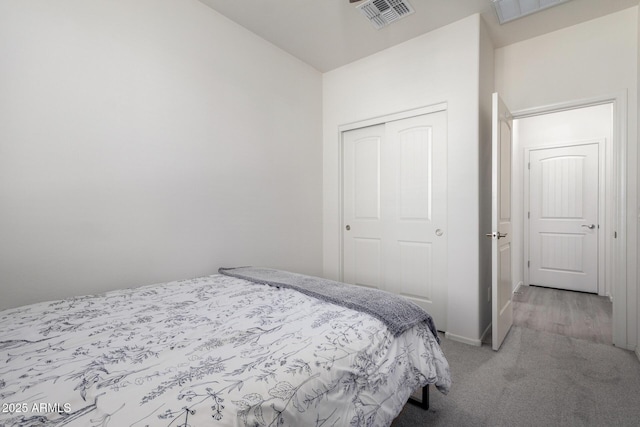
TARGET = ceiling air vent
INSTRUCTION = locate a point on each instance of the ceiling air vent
(383, 12)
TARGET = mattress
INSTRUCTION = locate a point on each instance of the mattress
(214, 351)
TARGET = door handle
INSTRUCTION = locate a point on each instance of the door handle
(496, 235)
(589, 226)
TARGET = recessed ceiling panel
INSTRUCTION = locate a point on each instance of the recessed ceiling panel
(508, 10)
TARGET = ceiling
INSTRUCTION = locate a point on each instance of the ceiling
(330, 33)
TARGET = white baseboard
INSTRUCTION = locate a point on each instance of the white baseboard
(464, 340)
(518, 286)
(486, 331)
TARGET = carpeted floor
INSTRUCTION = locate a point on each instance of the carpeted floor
(536, 379)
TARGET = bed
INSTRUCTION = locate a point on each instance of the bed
(219, 350)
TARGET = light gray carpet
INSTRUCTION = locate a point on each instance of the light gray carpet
(536, 379)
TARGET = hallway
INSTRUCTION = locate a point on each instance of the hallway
(574, 314)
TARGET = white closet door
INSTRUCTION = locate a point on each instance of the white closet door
(362, 243)
(395, 210)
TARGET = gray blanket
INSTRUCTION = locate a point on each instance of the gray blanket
(396, 312)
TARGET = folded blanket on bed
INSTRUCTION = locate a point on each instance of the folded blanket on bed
(396, 312)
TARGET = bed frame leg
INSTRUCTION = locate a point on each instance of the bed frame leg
(424, 402)
(425, 397)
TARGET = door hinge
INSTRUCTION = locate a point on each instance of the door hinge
(528, 264)
(529, 166)
(529, 215)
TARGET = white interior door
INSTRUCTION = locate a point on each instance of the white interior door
(501, 248)
(362, 237)
(394, 235)
(563, 225)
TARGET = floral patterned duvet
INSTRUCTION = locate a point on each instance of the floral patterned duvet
(211, 351)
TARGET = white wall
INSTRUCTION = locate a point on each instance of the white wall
(593, 59)
(149, 141)
(441, 66)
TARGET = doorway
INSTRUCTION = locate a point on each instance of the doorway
(568, 132)
(557, 134)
